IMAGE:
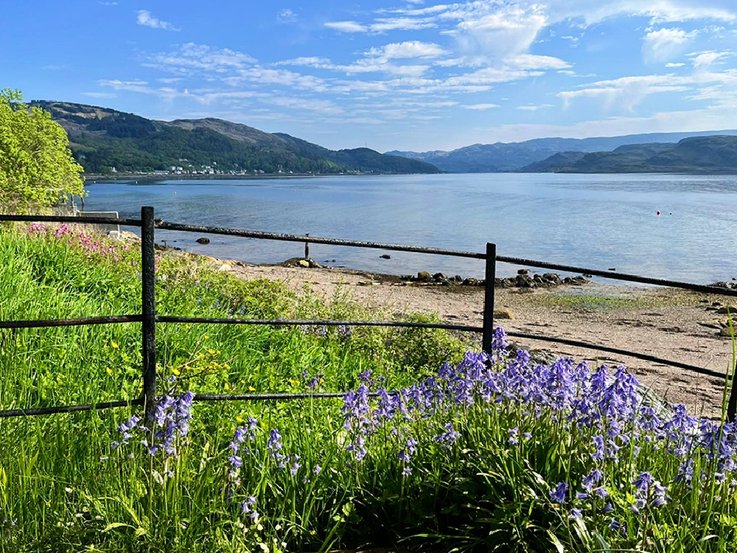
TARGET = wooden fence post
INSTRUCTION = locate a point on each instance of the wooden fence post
(732, 405)
(490, 278)
(148, 302)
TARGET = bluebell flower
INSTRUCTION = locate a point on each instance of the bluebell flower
(598, 454)
(558, 494)
(344, 331)
(591, 479)
(447, 438)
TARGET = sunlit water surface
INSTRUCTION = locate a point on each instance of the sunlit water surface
(596, 221)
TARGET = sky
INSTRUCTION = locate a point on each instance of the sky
(409, 75)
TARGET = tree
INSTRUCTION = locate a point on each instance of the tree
(37, 169)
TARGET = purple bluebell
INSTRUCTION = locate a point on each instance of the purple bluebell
(558, 494)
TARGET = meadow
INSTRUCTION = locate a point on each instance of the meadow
(431, 448)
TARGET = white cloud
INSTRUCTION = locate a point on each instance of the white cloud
(663, 45)
(145, 19)
(491, 75)
(534, 107)
(408, 49)
(130, 86)
(198, 57)
(346, 26)
(481, 107)
(673, 65)
(530, 61)
(704, 59)
(627, 92)
(503, 33)
(383, 25)
(658, 11)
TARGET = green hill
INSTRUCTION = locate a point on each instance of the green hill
(702, 154)
(106, 141)
(520, 156)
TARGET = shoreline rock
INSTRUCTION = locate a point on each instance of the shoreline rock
(523, 280)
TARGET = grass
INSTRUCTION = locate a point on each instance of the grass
(483, 454)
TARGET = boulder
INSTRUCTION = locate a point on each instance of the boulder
(424, 276)
(503, 313)
(203, 240)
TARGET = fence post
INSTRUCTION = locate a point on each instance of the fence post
(732, 405)
(148, 302)
(490, 278)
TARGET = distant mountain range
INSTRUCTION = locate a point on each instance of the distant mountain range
(696, 152)
(107, 141)
(701, 154)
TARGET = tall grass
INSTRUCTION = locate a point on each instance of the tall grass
(485, 453)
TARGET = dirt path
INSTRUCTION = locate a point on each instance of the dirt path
(667, 323)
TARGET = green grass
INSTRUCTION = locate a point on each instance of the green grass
(64, 486)
(43, 276)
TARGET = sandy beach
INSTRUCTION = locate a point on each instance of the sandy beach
(664, 322)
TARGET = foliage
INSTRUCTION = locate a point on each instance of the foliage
(485, 453)
(36, 165)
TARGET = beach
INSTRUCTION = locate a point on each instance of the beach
(666, 323)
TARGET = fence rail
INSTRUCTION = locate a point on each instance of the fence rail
(149, 319)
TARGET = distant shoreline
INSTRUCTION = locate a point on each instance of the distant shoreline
(91, 179)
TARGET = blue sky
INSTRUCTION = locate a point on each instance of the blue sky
(413, 74)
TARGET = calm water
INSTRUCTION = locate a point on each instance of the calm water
(597, 221)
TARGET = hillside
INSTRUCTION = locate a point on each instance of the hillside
(107, 141)
(517, 156)
(703, 154)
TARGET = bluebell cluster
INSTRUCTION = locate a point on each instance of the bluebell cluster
(169, 423)
(606, 405)
(604, 408)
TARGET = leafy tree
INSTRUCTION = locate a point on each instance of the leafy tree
(37, 169)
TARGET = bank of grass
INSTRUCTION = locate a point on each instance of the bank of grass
(483, 454)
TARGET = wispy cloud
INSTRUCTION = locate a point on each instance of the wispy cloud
(408, 49)
(534, 107)
(627, 92)
(481, 107)
(191, 57)
(146, 19)
(705, 59)
(665, 44)
(346, 26)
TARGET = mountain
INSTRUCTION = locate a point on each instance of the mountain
(513, 156)
(108, 141)
(700, 154)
